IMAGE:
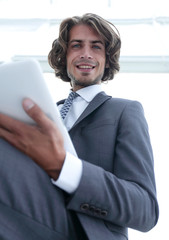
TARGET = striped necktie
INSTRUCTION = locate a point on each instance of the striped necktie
(67, 104)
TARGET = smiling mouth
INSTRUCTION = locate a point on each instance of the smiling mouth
(85, 67)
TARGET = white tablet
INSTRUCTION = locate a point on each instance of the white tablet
(25, 79)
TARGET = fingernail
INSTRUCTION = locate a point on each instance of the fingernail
(28, 104)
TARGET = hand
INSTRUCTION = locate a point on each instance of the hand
(42, 142)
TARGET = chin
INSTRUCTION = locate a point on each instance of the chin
(85, 83)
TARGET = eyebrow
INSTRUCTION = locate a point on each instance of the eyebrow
(93, 42)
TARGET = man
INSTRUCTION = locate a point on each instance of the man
(110, 186)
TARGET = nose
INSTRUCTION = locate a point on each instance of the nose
(86, 53)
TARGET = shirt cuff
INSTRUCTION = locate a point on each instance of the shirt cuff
(70, 174)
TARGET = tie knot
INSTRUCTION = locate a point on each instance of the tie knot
(67, 104)
(72, 96)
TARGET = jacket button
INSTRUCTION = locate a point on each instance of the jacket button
(84, 206)
(92, 209)
(97, 211)
(104, 213)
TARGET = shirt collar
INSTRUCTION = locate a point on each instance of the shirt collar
(88, 93)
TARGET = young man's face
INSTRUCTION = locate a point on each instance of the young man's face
(85, 57)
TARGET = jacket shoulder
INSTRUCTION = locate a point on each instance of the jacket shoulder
(122, 103)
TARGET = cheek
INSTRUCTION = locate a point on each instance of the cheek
(70, 59)
(68, 63)
(70, 67)
(101, 58)
(102, 64)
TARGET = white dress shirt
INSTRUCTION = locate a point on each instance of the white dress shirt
(71, 172)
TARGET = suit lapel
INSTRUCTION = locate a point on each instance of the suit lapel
(98, 100)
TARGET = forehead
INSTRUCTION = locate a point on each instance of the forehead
(84, 33)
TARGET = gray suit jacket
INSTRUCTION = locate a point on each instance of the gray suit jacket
(117, 188)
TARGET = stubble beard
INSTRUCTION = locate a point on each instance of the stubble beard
(84, 82)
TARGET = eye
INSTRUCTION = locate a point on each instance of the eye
(77, 45)
(96, 47)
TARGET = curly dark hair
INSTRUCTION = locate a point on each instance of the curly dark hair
(110, 34)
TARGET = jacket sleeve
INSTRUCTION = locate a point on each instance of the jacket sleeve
(126, 196)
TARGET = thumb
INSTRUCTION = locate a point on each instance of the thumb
(35, 112)
(28, 104)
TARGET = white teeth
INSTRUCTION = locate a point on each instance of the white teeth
(85, 67)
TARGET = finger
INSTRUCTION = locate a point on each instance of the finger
(34, 111)
(9, 123)
(8, 136)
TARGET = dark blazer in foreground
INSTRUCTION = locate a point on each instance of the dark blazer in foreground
(117, 189)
